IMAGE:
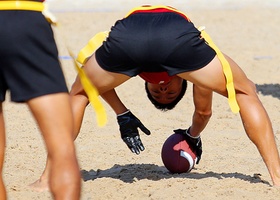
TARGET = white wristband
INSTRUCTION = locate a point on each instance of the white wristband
(123, 113)
(196, 137)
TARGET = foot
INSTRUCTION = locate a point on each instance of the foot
(40, 185)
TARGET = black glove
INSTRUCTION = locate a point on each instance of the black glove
(129, 125)
(195, 143)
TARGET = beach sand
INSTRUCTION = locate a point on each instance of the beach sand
(231, 167)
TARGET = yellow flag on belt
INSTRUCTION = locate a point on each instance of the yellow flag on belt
(227, 72)
(92, 94)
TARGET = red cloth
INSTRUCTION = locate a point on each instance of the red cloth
(155, 77)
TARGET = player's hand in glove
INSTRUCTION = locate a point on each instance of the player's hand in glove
(129, 125)
(194, 142)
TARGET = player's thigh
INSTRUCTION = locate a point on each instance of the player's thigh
(212, 77)
(242, 84)
(103, 80)
(54, 116)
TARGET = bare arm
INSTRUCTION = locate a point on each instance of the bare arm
(128, 123)
(79, 101)
(202, 98)
(114, 101)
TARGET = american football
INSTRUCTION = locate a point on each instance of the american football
(176, 154)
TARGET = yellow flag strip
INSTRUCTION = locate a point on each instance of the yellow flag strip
(89, 88)
(92, 94)
(22, 5)
(227, 72)
(94, 43)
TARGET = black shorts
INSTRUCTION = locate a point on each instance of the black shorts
(29, 65)
(154, 42)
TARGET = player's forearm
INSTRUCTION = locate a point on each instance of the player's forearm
(114, 101)
(203, 109)
(199, 122)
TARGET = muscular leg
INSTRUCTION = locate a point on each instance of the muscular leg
(2, 153)
(254, 117)
(54, 116)
(103, 81)
(79, 101)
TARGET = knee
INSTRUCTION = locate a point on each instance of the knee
(247, 95)
(248, 88)
(252, 86)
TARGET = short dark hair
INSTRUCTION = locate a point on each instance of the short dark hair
(169, 106)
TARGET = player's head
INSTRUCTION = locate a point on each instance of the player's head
(166, 96)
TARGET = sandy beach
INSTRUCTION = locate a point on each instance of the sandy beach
(231, 167)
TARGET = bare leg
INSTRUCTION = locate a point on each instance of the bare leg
(54, 116)
(254, 117)
(103, 81)
(2, 154)
(79, 101)
(42, 184)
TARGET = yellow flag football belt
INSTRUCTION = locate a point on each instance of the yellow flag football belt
(97, 40)
(22, 5)
(28, 5)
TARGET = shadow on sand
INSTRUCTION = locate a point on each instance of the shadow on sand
(269, 89)
(132, 172)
